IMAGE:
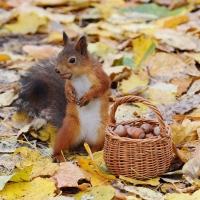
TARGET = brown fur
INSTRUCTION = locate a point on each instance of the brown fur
(84, 65)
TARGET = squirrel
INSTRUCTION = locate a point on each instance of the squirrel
(74, 90)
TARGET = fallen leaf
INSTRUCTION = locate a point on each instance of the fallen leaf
(165, 66)
(41, 52)
(195, 87)
(173, 22)
(20, 119)
(22, 27)
(23, 175)
(4, 57)
(131, 83)
(189, 150)
(100, 49)
(118, 73)
(174, 38)
(3, 181)
(37, 189)
(144, 193)
(7, 97)
(68, 175)
(141, 52)
(177, 196)
(97, 193)
(8, 76)
(191, 170)
(184, 132)
(182, 84)
(98, 178)
(153, 181)
(162, 93)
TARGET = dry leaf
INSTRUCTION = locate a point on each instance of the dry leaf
(153, 181)
(68, 175)
(41, 52)
(185, 131)
(22, 27)
(144, 193)
(188, 150)
(7, 97)
(175, 38)
(131, 83)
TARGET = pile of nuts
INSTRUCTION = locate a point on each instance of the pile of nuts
(145, 131)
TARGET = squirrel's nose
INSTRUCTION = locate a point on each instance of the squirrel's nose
(57, 71)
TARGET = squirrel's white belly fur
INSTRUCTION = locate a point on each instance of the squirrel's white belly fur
(89, 115)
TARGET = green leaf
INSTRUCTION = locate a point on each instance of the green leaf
(154, 9)
(128, 62)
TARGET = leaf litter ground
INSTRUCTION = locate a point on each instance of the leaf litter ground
(150, 49)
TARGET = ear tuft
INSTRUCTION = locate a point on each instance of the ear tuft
(65, 38)
(81, 46)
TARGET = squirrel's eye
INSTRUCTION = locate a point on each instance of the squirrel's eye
(72, 60)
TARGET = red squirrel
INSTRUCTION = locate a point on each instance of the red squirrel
(86, 89)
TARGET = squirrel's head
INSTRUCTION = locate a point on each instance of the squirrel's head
(73, 59)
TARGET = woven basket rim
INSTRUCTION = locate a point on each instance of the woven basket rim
(132, 98)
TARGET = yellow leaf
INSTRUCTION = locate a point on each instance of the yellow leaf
(142, 51)
(37, 189)
(42, 166)
(26, 23)
(4, 57)
(98, 159)
(177, 196)
(100, 49)
(97, 193)
(161, 96)
(132, 82)
(184, 132)
(195, 195)
(153, 182)
(172, 21)
(88, 151)
(98, 178)
(20, 119)
(105, 10)
(195, 56)
(23, 175)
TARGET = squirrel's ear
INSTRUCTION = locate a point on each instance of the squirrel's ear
(81, 46)
(65, 38)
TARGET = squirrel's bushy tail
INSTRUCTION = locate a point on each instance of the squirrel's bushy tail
(42, 93)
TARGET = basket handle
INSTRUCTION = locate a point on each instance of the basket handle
(138, 99)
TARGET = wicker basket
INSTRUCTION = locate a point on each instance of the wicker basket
(137, 158)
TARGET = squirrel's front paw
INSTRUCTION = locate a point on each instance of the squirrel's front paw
(71, 96)
(83, 101)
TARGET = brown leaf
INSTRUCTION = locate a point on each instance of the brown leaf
(68, 175)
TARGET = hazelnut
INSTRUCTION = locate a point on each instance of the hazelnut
(121, 131)
(156, 131)
(137, 133)
(127, 126)
(147, 128)
(130, 129)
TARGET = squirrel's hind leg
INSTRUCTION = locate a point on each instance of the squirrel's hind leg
(66, 137)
